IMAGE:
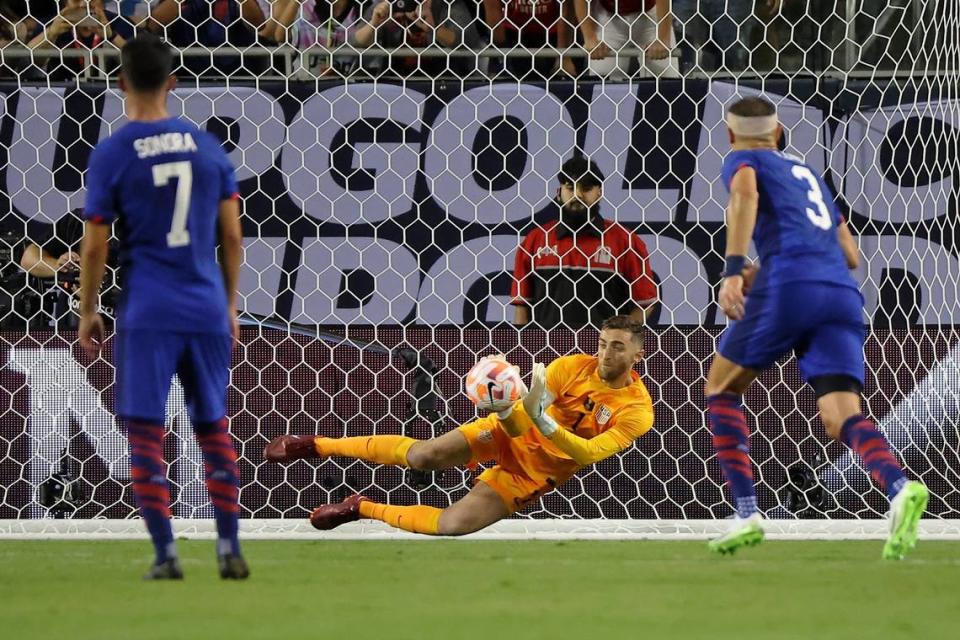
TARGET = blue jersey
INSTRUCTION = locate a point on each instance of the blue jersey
(797, 219)
(163, 183)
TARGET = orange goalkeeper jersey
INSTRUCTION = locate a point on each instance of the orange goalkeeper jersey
(595, 421)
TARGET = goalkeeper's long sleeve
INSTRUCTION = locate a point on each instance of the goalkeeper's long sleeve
(586, 451)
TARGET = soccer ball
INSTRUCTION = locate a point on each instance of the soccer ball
(493, 384)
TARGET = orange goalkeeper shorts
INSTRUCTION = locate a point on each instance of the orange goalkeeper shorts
(521, 476)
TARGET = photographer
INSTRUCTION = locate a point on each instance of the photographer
(53, 256)
(411, 23)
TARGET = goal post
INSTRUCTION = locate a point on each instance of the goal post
(384, 214)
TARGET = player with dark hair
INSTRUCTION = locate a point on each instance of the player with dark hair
(171, 189)
(579, 410)
(803, 299)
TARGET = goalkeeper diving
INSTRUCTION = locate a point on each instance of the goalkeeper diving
(578, 410)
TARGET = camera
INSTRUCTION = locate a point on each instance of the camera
(60, 494)
(803, 495)
(69, 280)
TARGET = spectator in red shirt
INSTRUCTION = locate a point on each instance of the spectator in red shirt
(580, 269)
(532, 24)
(610, 25)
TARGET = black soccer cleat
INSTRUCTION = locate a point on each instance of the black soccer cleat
(167, 570)
(233, 567)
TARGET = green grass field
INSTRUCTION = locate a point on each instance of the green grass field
(473, 589)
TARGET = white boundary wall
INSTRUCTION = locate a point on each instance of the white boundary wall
(300, 529)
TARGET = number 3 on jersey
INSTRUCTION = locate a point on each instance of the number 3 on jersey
(821, 217)
(178, 236)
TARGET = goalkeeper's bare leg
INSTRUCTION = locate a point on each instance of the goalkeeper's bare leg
(478, 509)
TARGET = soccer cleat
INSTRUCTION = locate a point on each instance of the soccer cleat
(906, 508)
(289, 448)
(233, 567)
(331, 516)
(745, 532)
(167, 570)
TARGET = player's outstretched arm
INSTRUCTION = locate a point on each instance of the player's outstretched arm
(518, 419)
(583, 451)
(231, 243)
(586, 451)
(534, 402)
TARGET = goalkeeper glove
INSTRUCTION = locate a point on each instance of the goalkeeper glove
(535, 400)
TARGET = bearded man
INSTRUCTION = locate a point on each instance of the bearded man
(581, 269)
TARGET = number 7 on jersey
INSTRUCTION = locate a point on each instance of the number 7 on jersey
(178, 236)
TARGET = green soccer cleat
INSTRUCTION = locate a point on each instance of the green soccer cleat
(746, 532)
(905, 511)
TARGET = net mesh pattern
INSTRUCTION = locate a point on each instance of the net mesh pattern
(386, 187)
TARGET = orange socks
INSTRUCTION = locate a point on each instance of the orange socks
(380, 449)
(416, 519)
(384, 450)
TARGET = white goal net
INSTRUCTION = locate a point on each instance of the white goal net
(385, 191)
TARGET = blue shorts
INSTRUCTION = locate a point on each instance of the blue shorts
(821, 323)
(146, 361)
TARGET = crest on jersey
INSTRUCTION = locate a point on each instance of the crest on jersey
(546, 250)
(603, 255)
(603, 414)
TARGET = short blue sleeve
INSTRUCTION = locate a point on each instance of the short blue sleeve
(735, 161)
(100, 205)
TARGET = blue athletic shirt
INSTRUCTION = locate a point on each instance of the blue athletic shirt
(162, 182)
(797, 219)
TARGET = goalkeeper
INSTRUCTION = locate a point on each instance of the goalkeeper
(578, 411)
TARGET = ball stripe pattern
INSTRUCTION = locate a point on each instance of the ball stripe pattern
(493, 384)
